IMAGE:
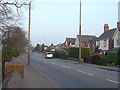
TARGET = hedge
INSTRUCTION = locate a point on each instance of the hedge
(9, 52)
(74, 52)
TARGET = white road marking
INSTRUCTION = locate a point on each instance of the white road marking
(68, 67)
(86, 73)
(63, 66)
(113, 81)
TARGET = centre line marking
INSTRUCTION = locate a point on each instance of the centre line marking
(86, 73)
(113, 81)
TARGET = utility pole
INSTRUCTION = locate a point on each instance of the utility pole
(29, 34)
(80, 36)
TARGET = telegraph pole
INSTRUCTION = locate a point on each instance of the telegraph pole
(80, 36)
(29, 34)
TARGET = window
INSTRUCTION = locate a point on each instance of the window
(98, 43)
(105, 43)
(118, 42)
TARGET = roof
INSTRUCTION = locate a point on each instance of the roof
(107, 34)
(70, 40)
(85, 38)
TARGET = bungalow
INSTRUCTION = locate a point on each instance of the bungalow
(110, 39)
(69, 42)
(86, 41)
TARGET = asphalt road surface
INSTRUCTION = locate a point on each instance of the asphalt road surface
(69, 74)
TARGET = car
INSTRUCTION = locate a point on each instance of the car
(49, 55)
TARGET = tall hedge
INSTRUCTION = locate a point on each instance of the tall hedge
(74, 52)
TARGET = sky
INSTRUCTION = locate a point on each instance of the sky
(52, 21)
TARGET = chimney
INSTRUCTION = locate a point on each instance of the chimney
(106, 27)
(118, 24)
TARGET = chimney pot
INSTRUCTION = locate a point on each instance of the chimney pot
(106, 27)
(118, 24)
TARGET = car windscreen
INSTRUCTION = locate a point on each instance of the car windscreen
(49, 53)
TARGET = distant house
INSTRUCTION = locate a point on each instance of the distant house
(110, 39)
(60, 46)
(69, 42)
(86, 41)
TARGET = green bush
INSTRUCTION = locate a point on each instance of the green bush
(74, 52)
(9, 52)
(63, 52)
(97, 50)
(111, 59)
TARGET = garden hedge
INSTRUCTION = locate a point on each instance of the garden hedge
(74, 52)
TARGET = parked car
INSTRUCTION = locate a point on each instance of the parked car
(49, 55)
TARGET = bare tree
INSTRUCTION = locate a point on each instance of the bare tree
(7, 17)
(16, 38)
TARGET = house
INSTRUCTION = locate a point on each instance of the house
(110, 39)
(116, 40)
(60, 46)
(91, 43)
(69, 42)
(86, 41)
(52, 47)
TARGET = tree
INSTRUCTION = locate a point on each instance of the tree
(7, 17)
(15, 38)
(37, 47)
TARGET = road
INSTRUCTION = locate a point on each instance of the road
(69, 74)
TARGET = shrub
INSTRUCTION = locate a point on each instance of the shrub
(63, 52)
(96, 58)
(113, 58)
(56, 54)
(74, 52)
(97, 50)
(9, 52)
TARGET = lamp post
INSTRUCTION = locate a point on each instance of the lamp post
(80, 36)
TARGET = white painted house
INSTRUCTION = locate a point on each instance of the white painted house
(116, 38)
(110, 39)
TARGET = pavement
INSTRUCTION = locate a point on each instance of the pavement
(33, 78)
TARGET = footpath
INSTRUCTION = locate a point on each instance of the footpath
(33, 78)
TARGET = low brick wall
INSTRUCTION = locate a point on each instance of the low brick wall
(11, 66)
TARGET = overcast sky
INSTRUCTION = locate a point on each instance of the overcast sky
(54, 20)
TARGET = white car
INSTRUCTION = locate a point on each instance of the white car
(49, 55)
